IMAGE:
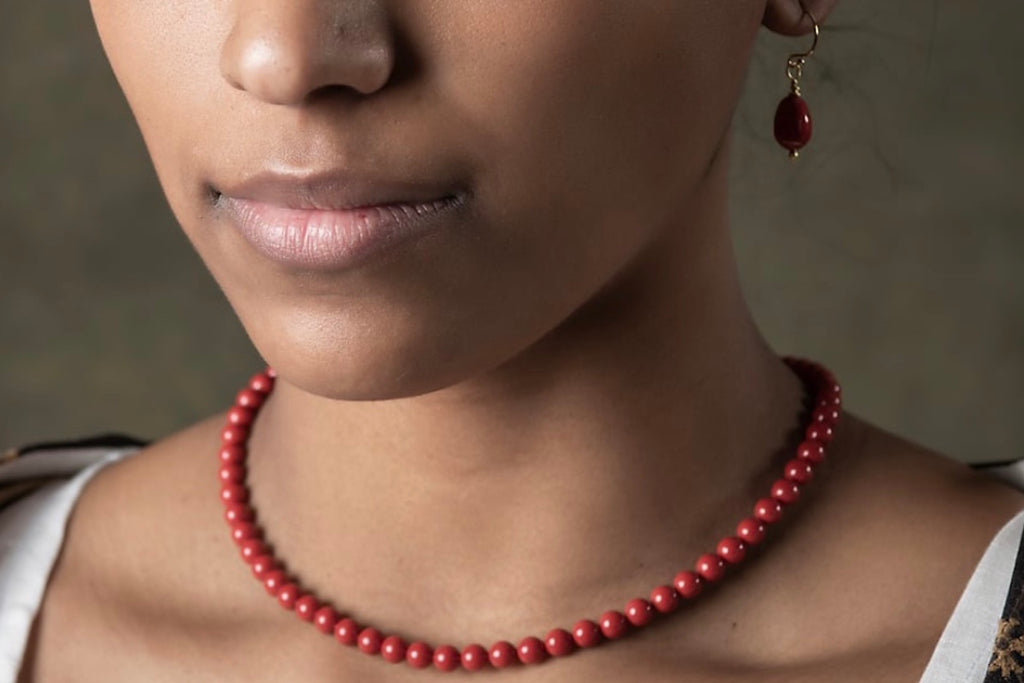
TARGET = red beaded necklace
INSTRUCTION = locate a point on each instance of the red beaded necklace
(612, 625)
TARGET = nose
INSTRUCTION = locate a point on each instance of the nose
(282, 51)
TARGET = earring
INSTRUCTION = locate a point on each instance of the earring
(793, 117)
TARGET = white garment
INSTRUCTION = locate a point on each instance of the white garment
(32, 532)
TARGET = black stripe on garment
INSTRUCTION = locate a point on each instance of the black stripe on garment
(111, 440)
(1006, 664)
(13, 491)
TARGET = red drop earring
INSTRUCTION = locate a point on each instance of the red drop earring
(793, 117)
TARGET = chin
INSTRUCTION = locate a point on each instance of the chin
(363, 362)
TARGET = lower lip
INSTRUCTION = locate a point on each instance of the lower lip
(333, 240)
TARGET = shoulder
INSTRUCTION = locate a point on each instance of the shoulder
(39, 485)
(929, 541)
(143, 503)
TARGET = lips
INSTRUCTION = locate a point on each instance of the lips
(333, 220)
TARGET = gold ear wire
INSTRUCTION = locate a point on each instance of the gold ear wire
(795, 63)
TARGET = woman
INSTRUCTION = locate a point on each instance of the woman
(485, 249)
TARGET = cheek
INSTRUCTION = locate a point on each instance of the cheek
(596, 121)
(165, 58)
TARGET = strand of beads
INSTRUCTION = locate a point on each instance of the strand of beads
(612, 625)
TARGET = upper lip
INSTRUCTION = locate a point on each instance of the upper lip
(333, 190)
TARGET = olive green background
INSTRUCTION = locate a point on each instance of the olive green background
(892, 250)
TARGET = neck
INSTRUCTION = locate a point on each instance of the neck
(585, 470)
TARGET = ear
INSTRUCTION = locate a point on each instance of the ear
(787, 17)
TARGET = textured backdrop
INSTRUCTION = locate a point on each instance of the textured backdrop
(893, 250)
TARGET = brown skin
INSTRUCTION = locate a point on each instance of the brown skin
(530, 417)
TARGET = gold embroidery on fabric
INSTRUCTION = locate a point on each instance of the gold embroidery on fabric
(1008, 653)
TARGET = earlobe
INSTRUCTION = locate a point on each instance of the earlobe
(788, 17)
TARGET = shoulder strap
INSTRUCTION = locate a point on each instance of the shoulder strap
(23, 470)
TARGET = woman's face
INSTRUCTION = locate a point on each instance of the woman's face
(574, 131)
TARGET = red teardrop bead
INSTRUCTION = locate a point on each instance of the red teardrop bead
(793, 122)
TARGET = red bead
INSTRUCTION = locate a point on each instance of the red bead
(239, 416)
(247, 398)
(665, 599)
(262, 565)
(234, 435)
(232, 454)
(750, 531)
(822, 433)
(231, 474)
(273, 580)
(325, 619)
(502, 654)
(559, 642)
(811, 451)
(287, 595)
(270, 372)
(731, 549)
(234, 493)
(828, 416)
(419, 655)
(799, 470)
(768, 510)
(639, 612)
(306, 607)
(238, 512)
(446, 658)
(474, 657)
(830, 400)
(244, 531)
(369, 640)
(613, 624)
(785, 491)
(346, 631)
(793, 125)
(392, 649)
(710, 567)
(531, 650)
(261, 383)
(688, 584)
(252, 548)
(586, 633)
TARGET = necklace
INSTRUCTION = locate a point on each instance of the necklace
(611, 625)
